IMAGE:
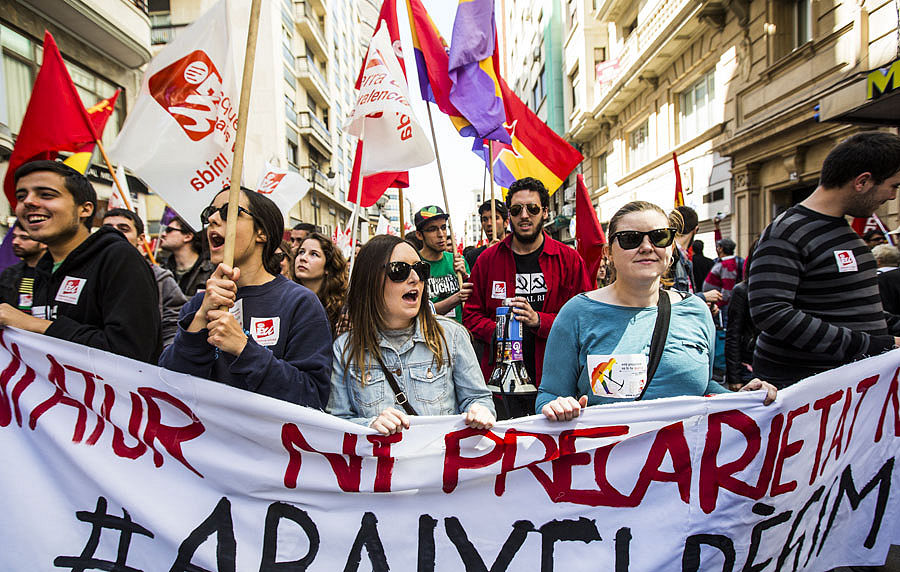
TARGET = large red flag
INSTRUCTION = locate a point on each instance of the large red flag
(679, 194)
(55, 120)
(588, 232)
(374, 186)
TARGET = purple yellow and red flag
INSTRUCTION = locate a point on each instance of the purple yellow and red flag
(99, 114)
(54, 121)
(535, 150)
(432, 61)
(474, 69)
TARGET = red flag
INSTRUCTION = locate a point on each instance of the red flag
(374, 186)
(55, 120)
(588, 232)
(679, 194)
(99, 114)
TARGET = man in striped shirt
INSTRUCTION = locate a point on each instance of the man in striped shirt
(813, 289)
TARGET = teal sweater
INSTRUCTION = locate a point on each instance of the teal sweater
(586, 327)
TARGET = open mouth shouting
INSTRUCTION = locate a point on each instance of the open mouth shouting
(412, 296)
(216, 240)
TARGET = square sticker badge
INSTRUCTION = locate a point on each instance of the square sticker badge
(846, 262)
(498, 290)
(265, 330)
(70, 290)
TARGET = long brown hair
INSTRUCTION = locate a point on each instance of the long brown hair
(333, 291)
(367, 309)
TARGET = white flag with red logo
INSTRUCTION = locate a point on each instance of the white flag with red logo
(384, 226)
(286, 188)
(179, 137)
(394, 140)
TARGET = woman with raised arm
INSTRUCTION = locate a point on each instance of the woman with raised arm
(252, 328)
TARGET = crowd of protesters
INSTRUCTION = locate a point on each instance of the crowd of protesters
(413, 328)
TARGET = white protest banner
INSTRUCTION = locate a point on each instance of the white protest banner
(113, 464)
(283, 186)
(394, 140)
(179, 137)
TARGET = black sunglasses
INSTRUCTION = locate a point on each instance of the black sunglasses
(533, 209)
(223, 213)
(631, 239)
(170, 229)
(399, 271)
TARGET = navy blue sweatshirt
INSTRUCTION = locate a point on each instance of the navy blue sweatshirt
(288, 351)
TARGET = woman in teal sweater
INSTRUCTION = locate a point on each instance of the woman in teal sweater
(598, 349)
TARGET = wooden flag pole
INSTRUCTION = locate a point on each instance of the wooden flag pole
(234, 193)
(403, 211)
(493, 204)
(124, 196)
(437, 156)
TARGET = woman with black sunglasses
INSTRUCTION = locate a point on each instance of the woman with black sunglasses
(398, 359)
(252, 328)
(606, 344)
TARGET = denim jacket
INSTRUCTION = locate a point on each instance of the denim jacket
(449, 390)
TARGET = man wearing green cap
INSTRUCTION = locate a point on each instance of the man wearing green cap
(444, 288)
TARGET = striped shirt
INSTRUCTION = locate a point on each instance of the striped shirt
(814, 295)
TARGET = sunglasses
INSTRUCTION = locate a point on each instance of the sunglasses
(399, 271)
(533, 209)
(631, 239)
(170, 229)
(223, 213)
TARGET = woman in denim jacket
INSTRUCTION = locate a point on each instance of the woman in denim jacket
(430, 357)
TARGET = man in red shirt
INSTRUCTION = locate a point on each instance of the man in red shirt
(540, 275)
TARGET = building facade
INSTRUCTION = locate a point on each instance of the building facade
(798, 60)
(103, 45)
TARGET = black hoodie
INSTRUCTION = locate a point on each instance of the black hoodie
(103, 295)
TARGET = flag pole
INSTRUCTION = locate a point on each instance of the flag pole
(359, 185)
(403, 216)
(493, 204)
(234, 193)
(124, 196)
(437, 155)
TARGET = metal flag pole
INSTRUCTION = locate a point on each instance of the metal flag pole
(437, 156)
(234, 193)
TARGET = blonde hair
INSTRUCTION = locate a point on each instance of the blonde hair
(674, 219)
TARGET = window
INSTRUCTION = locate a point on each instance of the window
(639, 146)
(21, 59)
(601, 171)
(599, 55)
(791, 26)
(697, 108)
(538, 92)
(713, 196)
(289, 110)
(292, 152)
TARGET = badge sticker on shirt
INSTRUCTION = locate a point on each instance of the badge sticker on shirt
(265, 330)
(70, 290)
(498, 290)
(25, 300)
(619, 376)
(846, 262)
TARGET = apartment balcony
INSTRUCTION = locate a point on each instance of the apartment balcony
(310, 28)
(162, 29)
(312, 80)
(321, 187)
(315, 131)
(665, 28)
(118, 29)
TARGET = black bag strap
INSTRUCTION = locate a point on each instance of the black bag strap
(399, 395)
(658, 341)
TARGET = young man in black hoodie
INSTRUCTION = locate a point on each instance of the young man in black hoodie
(91, 289)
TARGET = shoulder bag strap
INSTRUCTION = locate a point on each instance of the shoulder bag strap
(658, 341)
(399, 395)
